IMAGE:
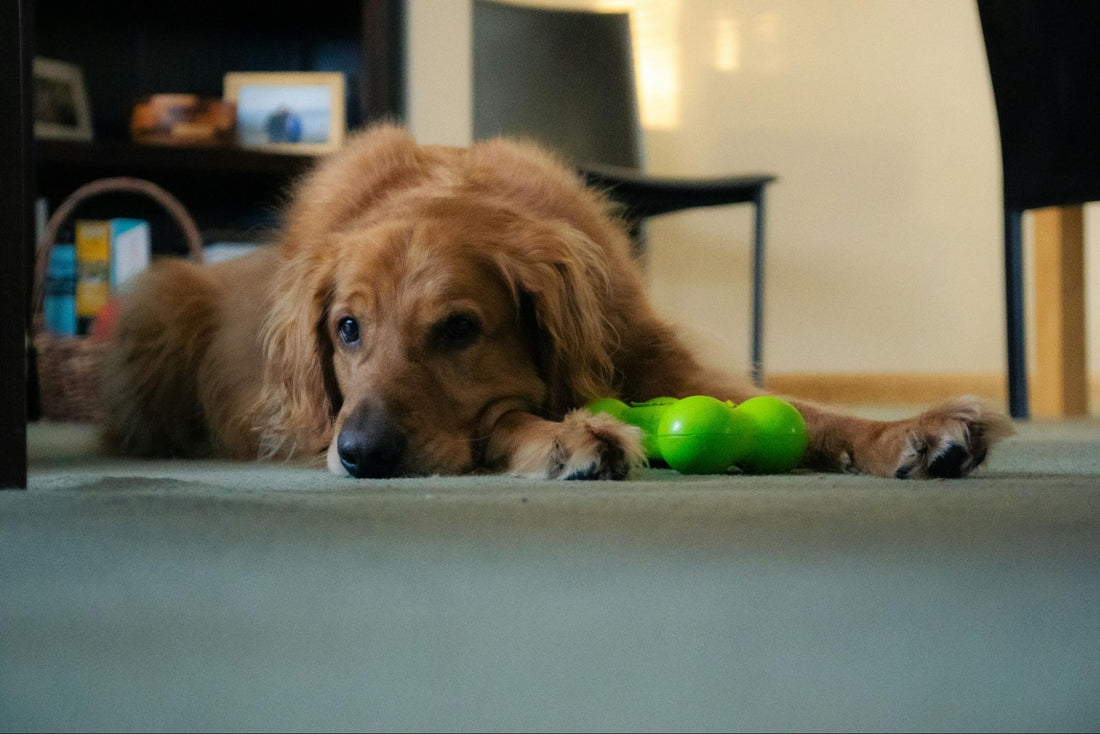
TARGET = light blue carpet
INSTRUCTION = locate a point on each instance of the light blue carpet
(218, 596)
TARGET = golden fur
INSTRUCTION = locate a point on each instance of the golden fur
(439, 310)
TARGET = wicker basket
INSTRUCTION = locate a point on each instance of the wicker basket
(69, 366)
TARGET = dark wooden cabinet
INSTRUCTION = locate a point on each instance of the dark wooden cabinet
(15, 235)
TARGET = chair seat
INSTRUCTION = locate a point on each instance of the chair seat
(646, 195)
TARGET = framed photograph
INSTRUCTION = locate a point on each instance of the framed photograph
(61, 110)
(288, 112)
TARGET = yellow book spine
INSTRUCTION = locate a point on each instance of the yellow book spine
(93, 267)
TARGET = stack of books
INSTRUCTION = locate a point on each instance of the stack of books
(83, 275)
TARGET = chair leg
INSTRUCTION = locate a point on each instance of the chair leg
(1014, 311)
(1059, 386)
(758, 290)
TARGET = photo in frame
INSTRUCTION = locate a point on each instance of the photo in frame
(61, 108)
(288, 112)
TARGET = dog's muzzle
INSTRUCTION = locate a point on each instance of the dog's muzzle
(370, 444)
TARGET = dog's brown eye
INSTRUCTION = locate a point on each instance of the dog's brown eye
(348, 330)
(456, 332)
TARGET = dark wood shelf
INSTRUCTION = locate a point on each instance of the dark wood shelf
(105, 156)
(226, 189)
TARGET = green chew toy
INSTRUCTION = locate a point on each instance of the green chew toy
(702, 435)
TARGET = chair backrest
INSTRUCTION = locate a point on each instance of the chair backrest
(1044, 61)
(563, 78)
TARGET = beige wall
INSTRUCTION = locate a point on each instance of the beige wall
(884, 230)
(439, 60)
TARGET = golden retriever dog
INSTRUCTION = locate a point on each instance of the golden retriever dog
(434, 310)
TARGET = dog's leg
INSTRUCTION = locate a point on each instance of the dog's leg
(150, 374)
(582, 446)
(948, 440)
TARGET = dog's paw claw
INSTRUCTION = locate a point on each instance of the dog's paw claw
(612, 464)
(949, 441)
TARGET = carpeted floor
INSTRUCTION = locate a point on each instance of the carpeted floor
(168, 596)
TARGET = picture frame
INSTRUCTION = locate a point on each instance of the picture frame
(61, 108)
(289, 112)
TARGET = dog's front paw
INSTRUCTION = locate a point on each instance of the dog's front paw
(594, 447)
(945, 442)
(582, 446)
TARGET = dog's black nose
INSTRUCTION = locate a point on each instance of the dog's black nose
(370, 445)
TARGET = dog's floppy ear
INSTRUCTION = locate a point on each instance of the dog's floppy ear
(298, 396)
(564, 277)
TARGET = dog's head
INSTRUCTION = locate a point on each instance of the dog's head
(404, 325)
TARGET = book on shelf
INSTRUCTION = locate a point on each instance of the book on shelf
(93, 270)
(130, 250)
(59, 303)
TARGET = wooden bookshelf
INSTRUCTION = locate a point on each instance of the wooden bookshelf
(131, 48)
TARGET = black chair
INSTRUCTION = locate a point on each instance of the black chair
(566, 79)
(1044, 62)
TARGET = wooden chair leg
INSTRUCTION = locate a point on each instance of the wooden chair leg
(1060, 385)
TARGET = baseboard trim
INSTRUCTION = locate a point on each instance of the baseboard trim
(896, 389)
